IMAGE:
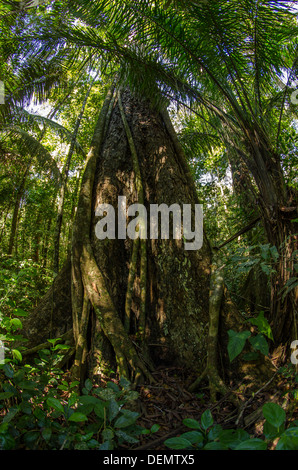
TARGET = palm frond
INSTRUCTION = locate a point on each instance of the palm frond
(27, 144)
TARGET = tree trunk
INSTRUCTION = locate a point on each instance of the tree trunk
(65, 172)
(157, 286)
(177, 280)
(37, 237)
(278, 208)
(15, 216)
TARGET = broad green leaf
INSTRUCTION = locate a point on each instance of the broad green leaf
(16, 323)
(113, 409)
(195, 437)
(17, 355)
(39, 413)
(7, 442)
(20, 312)
(19, 376)
(127, 437)
(131, 395)
(259, 343)
(61, 347)
(145, 431)
(269, 431)
(88, 385)
(291, 432)
(206, 420)
(191, 423)
(107, 434)
(274, 414)
(100, 410)
(11, 414)
(232, 438)
(113, 386)
(263, 326)
(214, 432)
(46, 434)
(287, 443)
(89, 400)
(86, 437)
(53, 341)
(107, 445)
(31, 438)
(251, 356)
(8, 370)
(236, 342)
(77, 417)
(252, 444)
(126, 419)
(124, 383)
(155, 428)
(26, 407)
(177, 443)
(55, 403)
(215, 446)
(28, 385)
(5, 395)
(105, 393)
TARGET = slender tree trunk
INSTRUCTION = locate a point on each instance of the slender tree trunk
(45, 246)
(278, 208)
(73, 209)
(37, 237)
(15, 216)
(4, 220)
(65, 172)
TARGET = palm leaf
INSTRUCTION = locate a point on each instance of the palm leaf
(28, 144)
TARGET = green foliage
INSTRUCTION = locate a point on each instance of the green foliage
(289, 373)
(263, 256)
(236, 342)
(258, 342)
(41, 409)
(207, 435)
(22, 283)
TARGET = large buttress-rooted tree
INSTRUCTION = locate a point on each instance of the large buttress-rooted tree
(145, 300)
(135, 303)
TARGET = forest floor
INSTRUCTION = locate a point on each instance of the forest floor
(168, 402)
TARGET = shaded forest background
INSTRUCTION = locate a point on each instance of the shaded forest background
(225, 74)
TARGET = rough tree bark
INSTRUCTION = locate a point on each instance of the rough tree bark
(119, 314)
(278, 208)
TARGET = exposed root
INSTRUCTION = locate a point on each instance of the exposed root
(142, 245)
(130, 283)
(216, 384)
(80, 365)
(88, 283)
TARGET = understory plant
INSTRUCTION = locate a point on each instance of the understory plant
(40, 408)
(207, 435)
(257, 339)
